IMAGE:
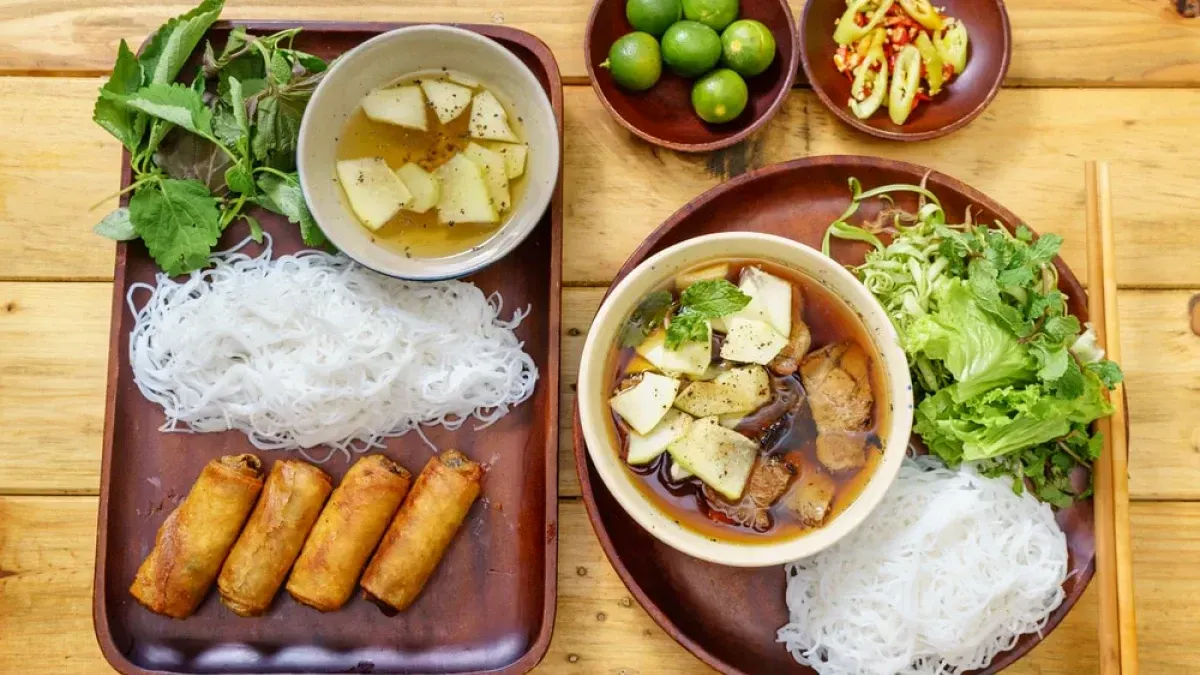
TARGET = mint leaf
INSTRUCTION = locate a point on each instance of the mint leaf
(647, 317)
(713, 299)
(281, 68)
(177, 104)
(238, 178)
(116, 226)
(179, 222)
(168, 50)
(285, 198)
(256, 231)
(1071, 384)
(237, 101)
(225, 127)
(688, 326)
(1108, 372)
(310, 63)
(128, 126)
(1044, 250)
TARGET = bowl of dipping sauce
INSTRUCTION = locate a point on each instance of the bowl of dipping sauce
(428, 152)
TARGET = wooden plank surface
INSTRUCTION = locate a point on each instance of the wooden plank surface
(1057, 42)
(1026, 152)
(52, 387)
(47, 546)
(1033, 142)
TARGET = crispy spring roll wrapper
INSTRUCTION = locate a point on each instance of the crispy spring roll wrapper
(194, 540)
(281, 521)
(424, 527)
(348, 529)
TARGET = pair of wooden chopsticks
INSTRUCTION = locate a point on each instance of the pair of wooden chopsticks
(1114, 554)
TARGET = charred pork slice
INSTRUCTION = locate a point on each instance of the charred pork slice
(799, 340)
(837, 379)
(768, 481)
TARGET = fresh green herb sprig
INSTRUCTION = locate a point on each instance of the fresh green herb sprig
(699, 304)
(1006, 377)
(202, 152)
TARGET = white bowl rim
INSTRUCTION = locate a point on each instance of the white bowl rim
(525, 220)
(619, 480)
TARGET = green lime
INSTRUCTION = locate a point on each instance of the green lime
(716, 14)
(653, 16)
(748, 47)
(634, 61)
(720, 96)
(691, 48)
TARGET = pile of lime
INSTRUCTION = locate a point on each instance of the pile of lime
(701, 39)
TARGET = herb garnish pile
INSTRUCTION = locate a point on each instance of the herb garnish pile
(1005, 376)
(203, 151)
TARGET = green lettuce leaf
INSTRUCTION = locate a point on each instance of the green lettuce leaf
(1004, 420)
(977, 351)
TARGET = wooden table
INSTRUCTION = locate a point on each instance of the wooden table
(1104, 79)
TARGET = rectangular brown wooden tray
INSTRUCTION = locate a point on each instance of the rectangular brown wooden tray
(490, 605)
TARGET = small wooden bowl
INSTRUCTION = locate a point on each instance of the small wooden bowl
(962, 100)
(663, 114)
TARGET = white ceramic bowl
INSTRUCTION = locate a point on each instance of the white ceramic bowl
(388, 57)
(594, 386)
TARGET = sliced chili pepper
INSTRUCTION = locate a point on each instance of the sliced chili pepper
(934, 67)
(848, 30)
(906, 83)
(874, 57)
(923, 12)
(865, 108)
(951, 45)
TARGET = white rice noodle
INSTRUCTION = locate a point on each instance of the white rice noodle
(946, 573)
(311, 349)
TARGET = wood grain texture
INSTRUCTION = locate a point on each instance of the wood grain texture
(54, 167)
(1026, 152)
(53, 356)
(52, 387)
(46, 548)
(1056, 42)
(1040, 137)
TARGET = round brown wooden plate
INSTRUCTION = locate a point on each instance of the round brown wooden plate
(663, 114)
(728, 616)
(963, 99)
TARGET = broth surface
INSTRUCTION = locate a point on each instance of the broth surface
(830, 321)
(421, 234)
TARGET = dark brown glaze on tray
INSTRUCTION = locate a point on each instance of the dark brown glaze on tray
(965, 96)
(663, 115)
(490, 604)
(728, 616)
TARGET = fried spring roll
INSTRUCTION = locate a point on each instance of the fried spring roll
(348, 529)
(423, 528)
(281, 521)
(194, 540)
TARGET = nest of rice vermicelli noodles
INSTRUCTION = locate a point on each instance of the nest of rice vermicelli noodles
(947, 573)
(310, 349)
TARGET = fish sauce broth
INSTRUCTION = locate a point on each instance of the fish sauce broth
(421, 234)
(787, 472)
